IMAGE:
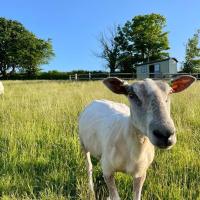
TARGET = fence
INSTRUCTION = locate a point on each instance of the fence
(127, 76)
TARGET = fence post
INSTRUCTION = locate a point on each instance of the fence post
(76, 77)
(108, 74)
(70, 77)
(89, 76)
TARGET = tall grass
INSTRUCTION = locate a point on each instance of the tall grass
(40, 156)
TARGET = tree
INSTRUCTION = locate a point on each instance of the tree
(192, 57)
(110, 50)
(21, 49)
(143, 38)
(125, 63)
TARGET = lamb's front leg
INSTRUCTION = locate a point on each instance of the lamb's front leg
(137, 187)
(89, 170)
(110, 182)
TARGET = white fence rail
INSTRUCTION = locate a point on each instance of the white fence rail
(127, 76)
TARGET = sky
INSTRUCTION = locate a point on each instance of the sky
(74, 25)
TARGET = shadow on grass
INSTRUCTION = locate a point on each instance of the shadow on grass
(35, 177)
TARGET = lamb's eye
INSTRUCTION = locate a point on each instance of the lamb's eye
(132, 95)
(135, 98)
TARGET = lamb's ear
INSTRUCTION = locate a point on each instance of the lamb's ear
(116, 85)
(181, 83)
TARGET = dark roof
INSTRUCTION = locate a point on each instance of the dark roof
(156, 61)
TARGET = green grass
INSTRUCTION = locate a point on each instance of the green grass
(40, 156)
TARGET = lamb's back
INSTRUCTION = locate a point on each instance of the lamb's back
(100, 122)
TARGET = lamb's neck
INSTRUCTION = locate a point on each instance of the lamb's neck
(136, 136)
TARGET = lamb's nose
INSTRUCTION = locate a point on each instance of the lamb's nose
(158, 134)
(165, 137)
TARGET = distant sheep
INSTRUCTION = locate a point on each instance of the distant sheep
(123, 138)
(1, 88)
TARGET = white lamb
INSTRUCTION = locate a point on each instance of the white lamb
(123, 138)
(1, 88)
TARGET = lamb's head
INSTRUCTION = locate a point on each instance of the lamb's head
(150, 106)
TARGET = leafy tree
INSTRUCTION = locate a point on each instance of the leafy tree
(192, 57)
(143, 38)
(21, 49)
(125, 63)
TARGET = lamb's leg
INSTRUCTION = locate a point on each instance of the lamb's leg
(89, 171)
(110, 182)
(137, 187)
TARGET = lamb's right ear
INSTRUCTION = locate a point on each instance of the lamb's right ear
(116, 85)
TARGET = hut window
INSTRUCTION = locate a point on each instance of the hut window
(143, 69)
(157, 68)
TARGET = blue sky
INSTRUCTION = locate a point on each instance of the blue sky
(74, 26)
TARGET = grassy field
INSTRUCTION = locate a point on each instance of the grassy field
(40, 156)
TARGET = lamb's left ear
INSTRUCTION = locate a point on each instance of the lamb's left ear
(181, 83)
(116, 85)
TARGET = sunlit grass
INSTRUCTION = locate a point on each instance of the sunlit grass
(40, 156)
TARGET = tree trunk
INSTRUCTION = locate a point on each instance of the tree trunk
(112, 70)
(4, 74)
(12, 72)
